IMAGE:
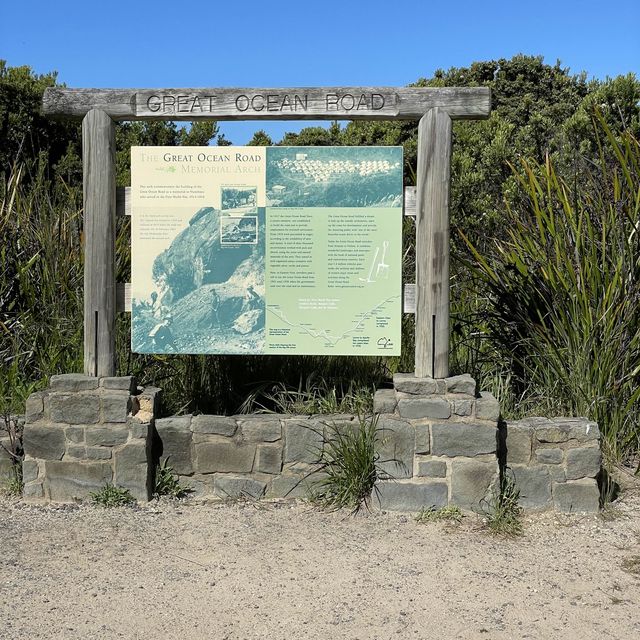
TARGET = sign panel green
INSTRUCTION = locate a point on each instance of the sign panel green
(266, 250)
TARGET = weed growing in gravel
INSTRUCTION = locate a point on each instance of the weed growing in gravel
(502, 511)
(167, 483)
(349, 464)
(112, 496)
(13, 487)
(446, 514)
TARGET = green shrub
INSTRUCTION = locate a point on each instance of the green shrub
(563, 292)
(112, 496)
(167, 483)
(349, 466)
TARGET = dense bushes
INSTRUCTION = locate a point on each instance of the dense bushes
(545, 312)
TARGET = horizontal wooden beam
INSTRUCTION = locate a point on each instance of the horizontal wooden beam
(304, 103)
(123, 201)
(123, 298)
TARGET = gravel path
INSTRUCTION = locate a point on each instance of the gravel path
(280, 570)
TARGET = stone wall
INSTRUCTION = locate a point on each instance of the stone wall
(255, 455)
(453, 460)
(554, 462)
(439, 443)
(82, 433)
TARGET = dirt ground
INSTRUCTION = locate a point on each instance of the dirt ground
(245, 570)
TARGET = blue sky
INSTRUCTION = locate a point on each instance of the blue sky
(285, 43)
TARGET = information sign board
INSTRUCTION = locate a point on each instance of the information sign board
(266, 250)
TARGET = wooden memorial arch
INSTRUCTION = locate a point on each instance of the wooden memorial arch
(435, 108)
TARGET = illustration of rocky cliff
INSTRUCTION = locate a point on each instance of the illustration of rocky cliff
(210, 289)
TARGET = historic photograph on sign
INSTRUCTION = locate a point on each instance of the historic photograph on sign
(249, 250)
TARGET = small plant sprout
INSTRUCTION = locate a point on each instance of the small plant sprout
(112, 496)
(502, 512)
(450, 514)
(167, 483)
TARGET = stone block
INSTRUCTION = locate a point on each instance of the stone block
(30, 471)
(549, 456)
(234, 487)
(519, 442)
(471, 482)
(149, 400)
(175, 437)
(74, 434)
(395, 446)
(33, 491)
(462, 439)
(437, 408)
(73, 382)
(579, 496)
(463, 407)
(408, 383)
(218, 425)
(409, 495)
(487, 407)
(224, 457)
(98, 453)
(534, 484)
(268, 459)
(44, 441)
(75, 408)
(302, 440)
(115, 407)
(77, 451)
(198, 486)
(139, 431)
(261, 429)
(288, 486)
(384, 401)
(557, 472)
(108, 435)
(583, 462)
(119, 383)
(432, 468)
(34, 408)
(132, 470)
(7, 470)
(423, 438)
(70, 480)
(565, 429)
(461, 384)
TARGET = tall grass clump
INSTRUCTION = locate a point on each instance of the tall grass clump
(563, 290)
(349, 466)
(41, 280)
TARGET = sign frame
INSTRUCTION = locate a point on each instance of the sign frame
(433, 107)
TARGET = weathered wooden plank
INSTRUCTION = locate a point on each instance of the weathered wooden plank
(98, 159)
(123, 297)
(123, 201)
(432, 245)
(302, 103)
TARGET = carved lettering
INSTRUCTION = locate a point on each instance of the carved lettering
(242, 102)
(182, 104)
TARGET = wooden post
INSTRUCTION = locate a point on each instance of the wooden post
(98, 160)
(432, 245)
